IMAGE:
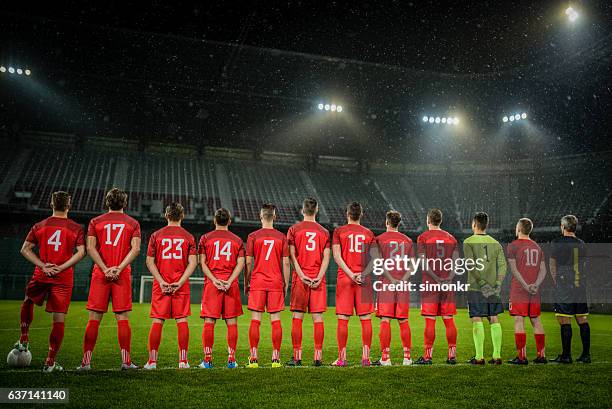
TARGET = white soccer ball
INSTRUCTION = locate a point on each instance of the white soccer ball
(19, 359)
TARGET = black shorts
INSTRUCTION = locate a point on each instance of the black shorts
(481, 306)
(571, 309)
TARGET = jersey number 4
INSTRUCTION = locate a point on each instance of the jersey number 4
(55, 240)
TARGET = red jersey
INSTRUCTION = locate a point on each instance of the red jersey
(393, 244)
(528, 256)
(171, 247)
(113, 232)
(355, 241)
(436, 244)
(222, 249)
(56, 239)
(268, 247)
(310, 240)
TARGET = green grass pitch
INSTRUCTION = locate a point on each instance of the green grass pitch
(438, 385)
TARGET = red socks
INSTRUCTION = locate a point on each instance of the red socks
(254, 337)
(89, 340)
(208, 340)
(342, 335)
(232, 339)
(277, 339)
(366, 338)
(124, 334)
(520, 339)
(451, 337)
(154, 340)
(27, 315)
(430, 337)
(319, 334)
(296, 338)
(406, 336)
(385, 339)
(540, 344)
(183, 340)
(55, 341)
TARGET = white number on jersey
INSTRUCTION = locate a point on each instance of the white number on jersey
(531, 257)
(356, 243)
(113, 227)
(226, 250)
(269, 243)
(397, 249)
(55, 241)
(172, 248)
(311, 244)
(440, 249)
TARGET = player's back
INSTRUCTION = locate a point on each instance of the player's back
(528, 257)
(393, 244)
(436, 244)
(114, 232)
(267, 246)
(490, 253)
(56, 239)
(310, 240)
(171, 247)
(569, 253)
(222, 249)
(355, 241)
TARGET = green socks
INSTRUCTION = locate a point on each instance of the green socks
(479, 336)
(496, 337)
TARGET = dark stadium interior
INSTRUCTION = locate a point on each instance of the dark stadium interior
(216, 106)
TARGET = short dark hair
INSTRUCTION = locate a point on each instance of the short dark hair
(116, 199)
(434, 216)
(569, 223)
(222, 216)
(482, 220)
(394, 218)
(175, 212)
(354, 211)
(60, 201)
(525, 225)
(309, 207)
(268, 211)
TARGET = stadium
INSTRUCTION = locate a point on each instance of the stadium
(504, 111)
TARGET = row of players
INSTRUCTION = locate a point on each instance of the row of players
(113, 242)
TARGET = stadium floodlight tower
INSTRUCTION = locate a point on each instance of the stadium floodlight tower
(514, 117)
(330, 107)
(572, 14)
(14, 70)
(437, 120)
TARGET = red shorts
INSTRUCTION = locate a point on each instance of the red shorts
(58, 294)
(220, 304)
(306, 299)
(263, 300)
(438, 303)
(101, 291)
(175, 306)
(393, 304)
(524, 304)
(349, 299)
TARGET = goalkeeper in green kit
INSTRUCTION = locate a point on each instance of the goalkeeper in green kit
(485, 287)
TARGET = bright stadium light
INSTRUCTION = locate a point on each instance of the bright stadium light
(27, 72)
(456, 121)
(339, 108)
(333, 107)
(571, 14)
(443, 120)
(514, 117)
(511, 118)
(11, 70)
(2, 68)
(19, 71)
(425, 118)
(524, 115)
(431, 119)
(320, 106)
(437, 119)
(505, 119)
(327, 107)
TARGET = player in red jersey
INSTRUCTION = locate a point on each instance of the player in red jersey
(222, 260)
(309, 249)
(266, 281)
(113, 242)
(351, 246)
(526, 261)
(57, 238)
(437, 244)
(171, 259)
(394, 304)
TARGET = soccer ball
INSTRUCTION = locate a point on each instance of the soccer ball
(19, 359)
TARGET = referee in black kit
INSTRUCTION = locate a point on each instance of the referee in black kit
(567, 267)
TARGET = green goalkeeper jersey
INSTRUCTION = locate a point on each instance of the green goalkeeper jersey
(491, 255)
